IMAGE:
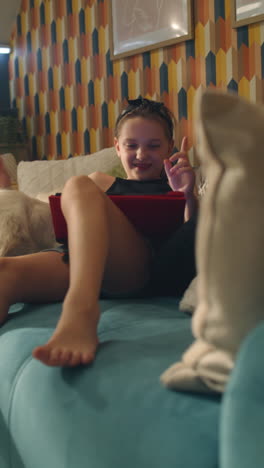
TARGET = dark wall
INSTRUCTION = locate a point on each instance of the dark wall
(4, 82)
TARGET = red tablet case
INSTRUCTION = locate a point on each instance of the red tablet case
(153, 215)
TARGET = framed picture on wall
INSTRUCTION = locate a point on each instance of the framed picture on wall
(246, 12)
(140, 25)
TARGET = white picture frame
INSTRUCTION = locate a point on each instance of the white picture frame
(246, 12)
(137, 26)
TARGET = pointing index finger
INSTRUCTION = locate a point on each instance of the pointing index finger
(184, 145)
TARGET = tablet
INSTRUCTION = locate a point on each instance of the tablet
(154, 216)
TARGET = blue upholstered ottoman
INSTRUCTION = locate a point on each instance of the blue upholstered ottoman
(115, 413)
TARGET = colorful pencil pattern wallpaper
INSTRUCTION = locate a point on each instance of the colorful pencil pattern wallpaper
(69, 91)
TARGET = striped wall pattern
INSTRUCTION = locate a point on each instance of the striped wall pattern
(69, 92)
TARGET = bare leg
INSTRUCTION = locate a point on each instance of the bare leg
(40, 277)
(43, 277)
(103, 246)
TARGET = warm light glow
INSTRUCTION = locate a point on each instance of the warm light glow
(5, 50)
(175, 26)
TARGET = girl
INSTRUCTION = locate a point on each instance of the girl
(106, 251)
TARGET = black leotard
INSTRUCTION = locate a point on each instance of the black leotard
(138, 187)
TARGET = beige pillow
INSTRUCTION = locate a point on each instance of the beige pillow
(117, 171)
(230, 144)
(35, 177)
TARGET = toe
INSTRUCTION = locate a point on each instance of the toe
(75, 359)
(47, 355)
(65, 357)
(54, 358)
(87, 357)
(55, 354)
(41, 353)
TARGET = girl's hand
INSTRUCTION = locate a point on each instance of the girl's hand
(181, 176)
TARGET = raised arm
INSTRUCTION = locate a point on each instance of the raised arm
(181, 177)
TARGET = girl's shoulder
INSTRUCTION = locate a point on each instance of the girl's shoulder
(102, 180)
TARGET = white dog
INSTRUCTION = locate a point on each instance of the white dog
(25, 224)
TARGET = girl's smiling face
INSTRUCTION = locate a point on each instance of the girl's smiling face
(142, 146)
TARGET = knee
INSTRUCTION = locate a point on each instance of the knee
(79, 189)
(79, 186)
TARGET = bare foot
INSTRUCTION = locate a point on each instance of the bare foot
(73, 343)
(67, 349)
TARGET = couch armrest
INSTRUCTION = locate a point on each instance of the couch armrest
(242, 414)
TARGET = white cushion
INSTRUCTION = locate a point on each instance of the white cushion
(36, 177)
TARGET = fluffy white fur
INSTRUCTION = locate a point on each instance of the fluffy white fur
(189, 300)
(25, 224)
(229, 138)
